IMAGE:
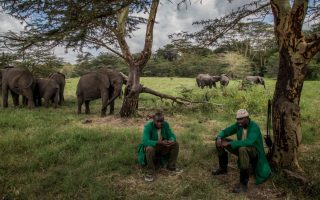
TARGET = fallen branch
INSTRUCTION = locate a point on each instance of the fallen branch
(178, 100)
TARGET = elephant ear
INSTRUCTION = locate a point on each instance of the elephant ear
(64, 76)
(104, 79)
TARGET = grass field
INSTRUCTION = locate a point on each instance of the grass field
(48, 153)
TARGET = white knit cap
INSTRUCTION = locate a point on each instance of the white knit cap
(242, 113)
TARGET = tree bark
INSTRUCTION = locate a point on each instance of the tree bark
(133, 87)
(132, 91)
(292, 70)
(286, 112)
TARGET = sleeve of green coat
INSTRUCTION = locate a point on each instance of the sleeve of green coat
(146, 136)
(228, 131)
(251, 138)
(171, 135)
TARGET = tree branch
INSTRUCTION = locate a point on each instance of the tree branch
(94, 40)
(178, 100)
(313, 45)
(298, 13)
(120, 34)
(216, 28)
(280, 7)
(146, 53)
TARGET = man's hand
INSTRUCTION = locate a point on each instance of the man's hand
(166, 143)
(170, 143)
(225, 144)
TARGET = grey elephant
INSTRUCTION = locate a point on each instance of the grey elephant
(224, 80)
(48, 89)
(204, 80)
(254, 80)
(103, 83)
(18, 81)
(60, 78)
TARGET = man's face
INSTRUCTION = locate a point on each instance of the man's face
(243, 122)
(158, 122)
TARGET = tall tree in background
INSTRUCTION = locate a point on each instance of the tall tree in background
(254, 40)
(295, 51)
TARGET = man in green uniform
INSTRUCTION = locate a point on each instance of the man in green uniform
(159, 146)
(248, 147)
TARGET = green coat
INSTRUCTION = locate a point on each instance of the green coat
(150, 138)
(254, 139)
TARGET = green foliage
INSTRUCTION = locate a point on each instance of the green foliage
(87, 63)
(190, 64)
(40, 62)
(313, 71)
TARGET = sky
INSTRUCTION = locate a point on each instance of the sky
(169, 20)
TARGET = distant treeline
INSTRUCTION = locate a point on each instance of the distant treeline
(189, 65)
(165, 62)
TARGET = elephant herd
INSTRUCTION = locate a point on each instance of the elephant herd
(206, 80)
(19, 81)
(103, 83)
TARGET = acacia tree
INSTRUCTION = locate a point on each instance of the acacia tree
(295, 51)
(90, 24)
(255, 40)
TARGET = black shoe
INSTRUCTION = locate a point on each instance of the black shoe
(219, 171)
(240, 188)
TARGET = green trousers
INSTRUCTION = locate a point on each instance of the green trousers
(154, 155)
(246, 155)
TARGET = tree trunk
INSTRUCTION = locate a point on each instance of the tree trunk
(132, 91)
(295, 52)
(286, 109)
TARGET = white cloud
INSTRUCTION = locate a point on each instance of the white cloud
(9, 23)
(169, 20)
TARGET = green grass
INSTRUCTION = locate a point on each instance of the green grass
(48, 153)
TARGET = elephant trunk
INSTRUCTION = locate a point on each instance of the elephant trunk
(116, 94)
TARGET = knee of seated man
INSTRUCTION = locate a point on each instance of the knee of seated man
(243, 150)
(149, 149)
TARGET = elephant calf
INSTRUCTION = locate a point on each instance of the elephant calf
(60, 78)
(253, 80)
(48, 89)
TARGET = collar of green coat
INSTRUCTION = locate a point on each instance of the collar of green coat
(154, 126)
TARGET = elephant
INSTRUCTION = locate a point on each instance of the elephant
(48, 89)
(103, 83)
(60, 78)
(224, 80)
(207, 80)
(18, 81)
(254, 80)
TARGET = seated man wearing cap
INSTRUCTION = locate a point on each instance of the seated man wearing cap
(159, 146)
(248, 147)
